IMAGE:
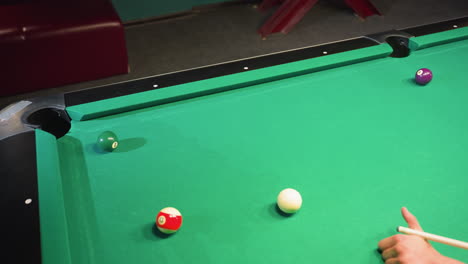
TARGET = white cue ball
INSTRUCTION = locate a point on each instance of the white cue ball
(289, 201)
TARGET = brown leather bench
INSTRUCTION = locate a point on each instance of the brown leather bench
(45, 44)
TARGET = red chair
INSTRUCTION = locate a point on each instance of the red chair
(291, 12)
(363, 8)
(46, 44)
(286, 17)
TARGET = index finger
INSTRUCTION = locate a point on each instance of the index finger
(387, 243)
(411, 219)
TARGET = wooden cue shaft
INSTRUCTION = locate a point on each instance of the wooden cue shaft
(432, 237)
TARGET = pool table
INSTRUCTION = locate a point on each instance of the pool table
(349, 129)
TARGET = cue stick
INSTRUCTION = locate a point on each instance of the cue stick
(432, 237)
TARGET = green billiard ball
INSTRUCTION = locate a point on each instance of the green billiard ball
(107, 141)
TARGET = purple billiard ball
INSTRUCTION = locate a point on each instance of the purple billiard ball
(423, 76)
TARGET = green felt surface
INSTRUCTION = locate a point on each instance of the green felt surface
(358, 141)
(53, 220)
(224, 83)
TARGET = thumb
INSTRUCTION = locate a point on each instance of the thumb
(411, 219)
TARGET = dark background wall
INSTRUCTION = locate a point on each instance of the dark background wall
(130, 10)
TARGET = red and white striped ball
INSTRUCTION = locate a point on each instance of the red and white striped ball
(169, 220)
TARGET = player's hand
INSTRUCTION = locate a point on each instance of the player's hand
(406, 249)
